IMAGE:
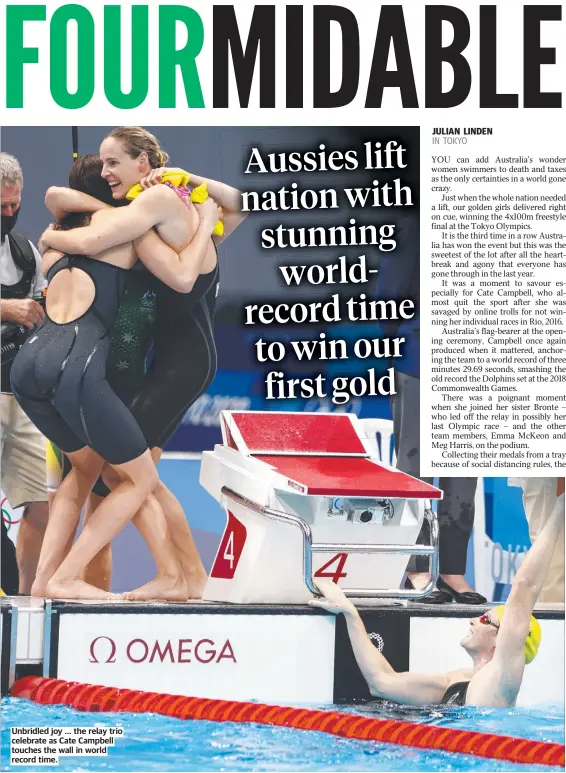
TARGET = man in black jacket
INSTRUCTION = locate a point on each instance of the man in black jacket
(22, 447)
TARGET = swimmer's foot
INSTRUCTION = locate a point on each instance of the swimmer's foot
(160, 589)
(75, 589)
(39, 588)
(196, 582)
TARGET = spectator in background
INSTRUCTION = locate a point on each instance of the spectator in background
(399, 279)
(539, 499)
(22, 447)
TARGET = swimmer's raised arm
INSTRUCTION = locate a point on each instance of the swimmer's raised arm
(383, 681)
(527, 585)
(502, 676)
(61, 201)
(179, 271)
(117, 227)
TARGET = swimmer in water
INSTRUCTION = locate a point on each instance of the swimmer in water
(500, 642)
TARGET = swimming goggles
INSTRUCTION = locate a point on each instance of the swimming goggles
(486, 620)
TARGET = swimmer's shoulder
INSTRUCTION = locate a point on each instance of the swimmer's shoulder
(49, 258)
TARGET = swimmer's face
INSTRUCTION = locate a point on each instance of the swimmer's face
(119, 169)
(482, 635)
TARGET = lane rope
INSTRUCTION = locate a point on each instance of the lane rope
(88, 697)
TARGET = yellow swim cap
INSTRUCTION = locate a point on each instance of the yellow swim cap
(534, 636)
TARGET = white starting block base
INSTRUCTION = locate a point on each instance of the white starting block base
(275, 654)
(305, 498)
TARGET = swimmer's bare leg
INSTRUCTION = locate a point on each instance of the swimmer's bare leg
(181, 543)
(169, 584)
(99, 570)
(64, 516)
(138, 478)
(30, 539)
(186, 550)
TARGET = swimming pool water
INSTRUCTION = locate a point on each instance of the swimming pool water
(156, 743)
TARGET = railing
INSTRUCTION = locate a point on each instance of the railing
(322, 547)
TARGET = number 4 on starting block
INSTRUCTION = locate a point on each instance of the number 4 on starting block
(230, 549)
(338, 573)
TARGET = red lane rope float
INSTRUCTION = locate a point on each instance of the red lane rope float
(88, 697)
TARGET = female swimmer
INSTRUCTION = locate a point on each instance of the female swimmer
(59, 379)
(184, 352)
(130, 341)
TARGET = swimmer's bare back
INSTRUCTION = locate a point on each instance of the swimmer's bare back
(71, 291)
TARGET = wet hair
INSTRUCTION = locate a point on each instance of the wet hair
(85, 176)
(136, 140)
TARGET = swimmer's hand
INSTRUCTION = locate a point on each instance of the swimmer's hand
(209, 213)
(333, 599)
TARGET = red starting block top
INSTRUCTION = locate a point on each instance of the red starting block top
(323, 452)
(298, 433)
(350, 476)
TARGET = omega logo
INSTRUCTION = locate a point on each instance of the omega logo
(103, 650)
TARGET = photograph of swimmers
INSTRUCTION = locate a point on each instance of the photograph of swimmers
(164, 360)
(159, 362)
(59, 378)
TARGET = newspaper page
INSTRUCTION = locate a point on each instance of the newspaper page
(283, 385)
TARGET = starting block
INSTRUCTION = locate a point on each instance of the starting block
(306, 498)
